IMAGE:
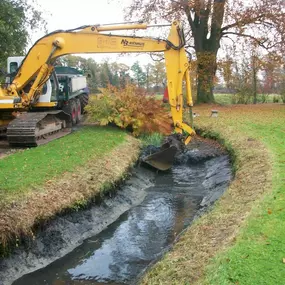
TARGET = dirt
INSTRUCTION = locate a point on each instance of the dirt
(199, 150)
(6, 150)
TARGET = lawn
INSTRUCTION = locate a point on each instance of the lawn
(258, 254)
(241, 241)
(24, 171)
(63, 175)
(226, 99)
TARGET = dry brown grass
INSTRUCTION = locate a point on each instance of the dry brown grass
(71, 190)
(215, 231)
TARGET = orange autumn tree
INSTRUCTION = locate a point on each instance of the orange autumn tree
(208, 22)
(130, 108)
(272, 66)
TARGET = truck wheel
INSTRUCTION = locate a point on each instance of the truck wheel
(78, 111)
(73, 111)
(84, 98)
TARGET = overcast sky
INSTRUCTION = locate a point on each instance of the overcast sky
(68, 14)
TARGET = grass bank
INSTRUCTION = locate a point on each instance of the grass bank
(241, 241)
(65, 174)
(226, 99)
(25, 171)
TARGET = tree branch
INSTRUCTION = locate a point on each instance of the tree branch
(259, 42)
(209, 5)
(243, 22)
(189, 18)
(225, 36)
(217, 21)
(189, 46)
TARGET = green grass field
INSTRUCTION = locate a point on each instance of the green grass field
(227, 99)
(24, 171)
(242, 240)
(257, 256)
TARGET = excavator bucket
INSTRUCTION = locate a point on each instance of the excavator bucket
(164, 158)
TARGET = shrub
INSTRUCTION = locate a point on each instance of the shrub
(282, 96)
(129, 108)
(264, 98)
(242, 97)
(275, 99)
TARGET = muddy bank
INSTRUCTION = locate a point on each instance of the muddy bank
(64, 233)
(148, 214)
(70, 191)
(5, 149)
(216, 231)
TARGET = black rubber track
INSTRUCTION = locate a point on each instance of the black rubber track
(21, 132)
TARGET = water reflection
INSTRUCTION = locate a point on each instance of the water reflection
(122, 251)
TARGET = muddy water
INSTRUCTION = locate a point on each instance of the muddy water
(125, 248)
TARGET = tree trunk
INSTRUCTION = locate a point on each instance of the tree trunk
(156, 83)
(254, 79)
(206, 43)
(254, 87)
(206, 70)
(147, 78)
(147, 82)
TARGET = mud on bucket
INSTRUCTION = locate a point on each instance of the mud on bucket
(164, 157)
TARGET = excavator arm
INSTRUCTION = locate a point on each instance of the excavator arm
(37, 67)
(38, 64)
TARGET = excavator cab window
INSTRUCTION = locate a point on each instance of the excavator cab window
(63, 88)
(13, 67)
(53, 90)
(12, 71)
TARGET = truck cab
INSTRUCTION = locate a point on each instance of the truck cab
(64, 84)
(67, 86)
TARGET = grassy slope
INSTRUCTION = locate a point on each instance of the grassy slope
(257, 256)
(245, 229)
(25, 171)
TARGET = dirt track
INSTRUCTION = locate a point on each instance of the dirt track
(6, 150)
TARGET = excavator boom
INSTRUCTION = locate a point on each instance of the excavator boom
(37, 67)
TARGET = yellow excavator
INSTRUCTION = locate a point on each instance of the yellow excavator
(28, 121)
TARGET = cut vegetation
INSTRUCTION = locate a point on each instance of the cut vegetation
(242, 240)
